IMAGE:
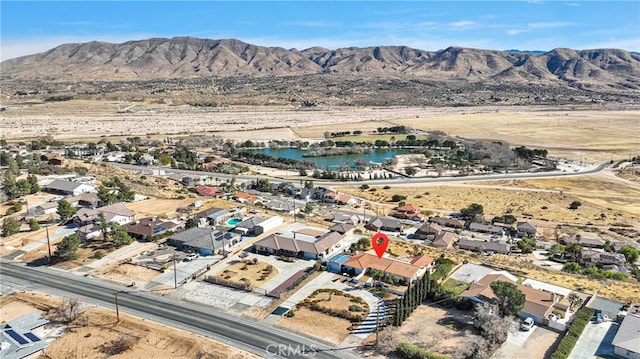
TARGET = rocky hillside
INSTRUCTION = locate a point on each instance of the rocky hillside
(185, 57)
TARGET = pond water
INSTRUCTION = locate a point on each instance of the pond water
(333, 162)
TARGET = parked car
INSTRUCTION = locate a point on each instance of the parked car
(527, 324)
(191, 256)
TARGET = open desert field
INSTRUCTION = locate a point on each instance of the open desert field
(151, 340)
(544, 200)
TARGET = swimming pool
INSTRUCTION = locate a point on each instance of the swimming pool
(233, 221)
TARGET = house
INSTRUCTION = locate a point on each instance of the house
(86, 218)
(526, 229)
(617, 245)
(85, 200)
(345, 229)
(344, 218)
(255, 226)
(538, 304)
(406, 272)
(23, 337)
(245, 198)
(68, 188)
(484, 246)
(206, 241)
(45, 208)
(444, 240)
(208, 191)
(343, 199)
(447, 222)
(486, 228)
(590, 243)
(428, 231)
(384, 224)
(147, 160)
(408, 211)
(147, 228)
(214, 216)
(592, 258)
(307, 246)
(284, 207)
(53, 159)
(626, 343)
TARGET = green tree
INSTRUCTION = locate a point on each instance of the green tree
(33, 184)
(119, 235)
(103, 225)
(509, 298)
(10, 226)
(106, 195)
(68, 247)
(65, 210)
(573, 250)
(630, 252)
(308, 208)
(410, 171)
(571, 267)
(472, 210)
(33, 224)
(191, 223)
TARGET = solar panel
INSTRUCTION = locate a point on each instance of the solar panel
(32, 336)
(17, 337)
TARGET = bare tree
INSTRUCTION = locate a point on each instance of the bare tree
(122, 343)
(68, 311)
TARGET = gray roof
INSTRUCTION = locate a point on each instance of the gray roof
(342, 228)
(62, 185)
(495, 246)
(387, 222)
(584, 241)
(201, 237)
(250, 223)
(22, 342)
(628, 335)
(479, 227)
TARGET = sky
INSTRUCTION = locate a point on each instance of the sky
(29, 27)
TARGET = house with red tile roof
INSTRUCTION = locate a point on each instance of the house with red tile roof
(208, 191)
(243, 197)
(364, 262)
(408, 211)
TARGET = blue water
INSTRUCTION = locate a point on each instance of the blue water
(376, 155)
(233, 221)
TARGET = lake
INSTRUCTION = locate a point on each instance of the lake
(333, 162)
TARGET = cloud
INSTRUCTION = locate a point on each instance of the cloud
(572, 4)
(462, 24)
(549, 25)
(516, 31)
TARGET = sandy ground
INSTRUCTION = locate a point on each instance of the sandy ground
(153, 340)
(127, 273)
(159, 207)
(319, 325)
(545, 200)
(437, 329)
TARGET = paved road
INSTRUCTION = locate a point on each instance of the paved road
(242, 333)
(396, 181)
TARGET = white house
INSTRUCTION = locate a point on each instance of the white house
(68, 188)
(626, 343)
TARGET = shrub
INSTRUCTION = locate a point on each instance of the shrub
(98, 254)
(575, 330)
(410, 351)
(119, 345)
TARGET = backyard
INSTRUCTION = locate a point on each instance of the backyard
(324, 314)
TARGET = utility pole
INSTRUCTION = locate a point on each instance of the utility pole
(117, 308)
(175, 273)
(48, 241)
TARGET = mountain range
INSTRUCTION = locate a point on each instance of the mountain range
(610, 70)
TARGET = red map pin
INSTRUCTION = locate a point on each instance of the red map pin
(380, 242)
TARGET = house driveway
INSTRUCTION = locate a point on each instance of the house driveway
(184, 271)
(533, 344)
(596, 340)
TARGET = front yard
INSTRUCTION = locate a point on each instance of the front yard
(255, 271)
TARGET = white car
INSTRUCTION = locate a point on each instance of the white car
(527, 324)
(191, 256)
